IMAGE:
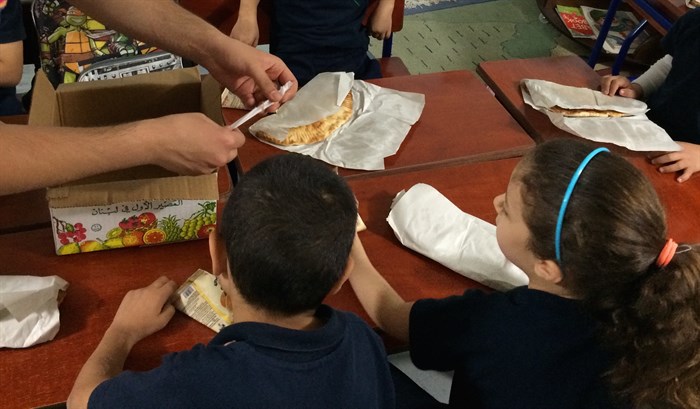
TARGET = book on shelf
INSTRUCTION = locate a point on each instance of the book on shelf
(622, 25)
(575, 22)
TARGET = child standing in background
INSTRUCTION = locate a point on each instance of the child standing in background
(319, 36)
(610, 316)
(671, 88)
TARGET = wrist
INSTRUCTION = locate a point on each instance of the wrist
(119, 338)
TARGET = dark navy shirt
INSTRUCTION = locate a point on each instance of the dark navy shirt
(253, 365)
(519, 349)
(675, 106)
(11, 30)
(314, 36)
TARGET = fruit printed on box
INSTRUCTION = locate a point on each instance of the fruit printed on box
(121, 225)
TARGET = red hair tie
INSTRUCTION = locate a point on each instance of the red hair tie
(666, 253)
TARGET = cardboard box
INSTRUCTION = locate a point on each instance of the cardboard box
(146, 205)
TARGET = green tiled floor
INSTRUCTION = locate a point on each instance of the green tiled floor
(461, 37)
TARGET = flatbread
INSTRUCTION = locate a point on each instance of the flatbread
(587, 113)
(316, 131)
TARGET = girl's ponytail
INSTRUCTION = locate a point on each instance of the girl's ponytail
(657, 336)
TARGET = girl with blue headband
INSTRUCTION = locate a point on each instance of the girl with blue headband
(610, 317)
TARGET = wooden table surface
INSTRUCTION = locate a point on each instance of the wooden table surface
(461, 122)
(503, 77)
(99, 280)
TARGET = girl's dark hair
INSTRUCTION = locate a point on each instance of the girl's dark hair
(613, 231)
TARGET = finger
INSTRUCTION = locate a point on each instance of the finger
(662, 159)
(684, 176)
(160, 281)
(674, 167)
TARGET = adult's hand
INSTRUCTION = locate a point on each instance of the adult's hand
(191, 143)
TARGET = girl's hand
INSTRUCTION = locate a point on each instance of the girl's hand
(620, 85)
(686, 161)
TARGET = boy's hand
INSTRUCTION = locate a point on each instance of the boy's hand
(620, 85)
(686, 161)
(380, 21)
(246, 31)
(145, 311)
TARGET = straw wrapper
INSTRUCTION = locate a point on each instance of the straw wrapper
(634, 131)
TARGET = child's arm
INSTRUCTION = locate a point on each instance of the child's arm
(383, 304)
(141, 313)
(652, 78)
(246, 28)
(380, 21)
(686, 161)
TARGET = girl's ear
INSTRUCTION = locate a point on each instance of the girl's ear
(549, 271)
(217, 251)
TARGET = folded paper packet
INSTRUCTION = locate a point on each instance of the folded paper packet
(381, 118)
(29, 309)
(634, 131)
(426, 221)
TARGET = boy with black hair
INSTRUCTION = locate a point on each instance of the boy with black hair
(287, 232)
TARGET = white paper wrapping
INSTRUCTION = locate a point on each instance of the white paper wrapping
(635, 132)
(380, 121)
(29, 309)
(426, 221)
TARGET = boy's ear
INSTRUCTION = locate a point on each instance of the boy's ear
(219, 256)
(549, 271)
(346, 274)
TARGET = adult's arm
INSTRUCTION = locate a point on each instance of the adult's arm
(35, 157)
(241, 68)
(383, 304)
(141, 313)
(11, 62)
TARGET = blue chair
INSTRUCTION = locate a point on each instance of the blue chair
(605, 28)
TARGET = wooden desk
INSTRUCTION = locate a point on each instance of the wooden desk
(679, 199)
(30, 210)
(461, 122)
(44, 374)
(503, 77)
(98, 281)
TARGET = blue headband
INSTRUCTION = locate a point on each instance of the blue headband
(567, 196)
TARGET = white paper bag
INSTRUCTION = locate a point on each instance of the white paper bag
(29, 309)
(426, 221)
(635, 132)
(380, 121)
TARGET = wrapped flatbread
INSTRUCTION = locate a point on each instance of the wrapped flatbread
(315, 131)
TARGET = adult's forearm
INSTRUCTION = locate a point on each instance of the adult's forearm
(33, 157)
